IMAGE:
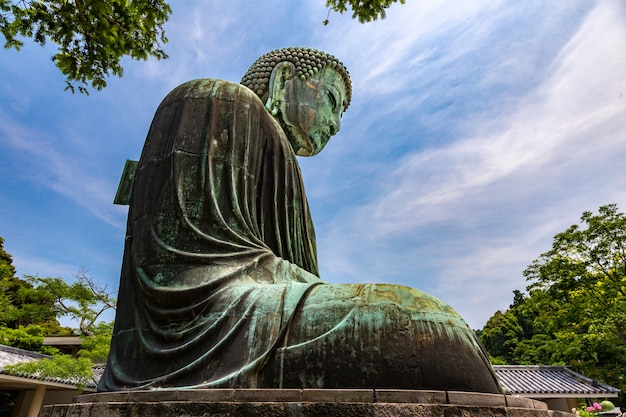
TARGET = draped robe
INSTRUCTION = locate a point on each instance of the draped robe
(219, 284)
(217, 212)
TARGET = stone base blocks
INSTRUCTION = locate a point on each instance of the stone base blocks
(299, 403)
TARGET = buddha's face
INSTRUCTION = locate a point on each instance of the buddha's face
(311, 110)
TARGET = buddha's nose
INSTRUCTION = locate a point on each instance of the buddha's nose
(335, 124)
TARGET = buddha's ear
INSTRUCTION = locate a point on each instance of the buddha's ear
(281, 73)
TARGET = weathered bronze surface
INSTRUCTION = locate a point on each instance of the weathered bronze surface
(219, 284)
(122, 197)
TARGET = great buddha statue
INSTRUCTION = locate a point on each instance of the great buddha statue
(219, 283)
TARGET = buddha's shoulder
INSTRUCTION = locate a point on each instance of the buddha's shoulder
(213, 88)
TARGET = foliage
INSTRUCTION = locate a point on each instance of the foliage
(365, 11)
(574, 311)
(26, 314)
(96, 346)
(605, 405)
(22, 305)
(92, 35)
(501, 334)
(586, 268)
(78, 371)
(593, 410)
(84, 300)
(29, 310)
(28, 338)
(6, 262)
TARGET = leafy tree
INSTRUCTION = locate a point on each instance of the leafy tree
(6, 262)
(29, 310)
(96, 346)
(586, 268)
(92, 35)
(364, 11)
(84, 300)
(28, 338)
(23, 305)
(36, 301)
(26, 314)
(59, 366)
(574, 312)
(501, 335)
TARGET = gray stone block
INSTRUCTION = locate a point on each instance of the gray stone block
(314, 409)
(77, 410)
(474, 411)
(528, 412)
(59, 412)
(512, 401)
(46, 411)
(340, 395)
(277, 395)
(199, 395)
(476, 398)
(408, 410)
(410, 396)
(205, 408)
(299, 403)
(109, 397)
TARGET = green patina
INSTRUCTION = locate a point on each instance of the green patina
(220, 284)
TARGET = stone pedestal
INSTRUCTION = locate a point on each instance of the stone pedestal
(299, 403)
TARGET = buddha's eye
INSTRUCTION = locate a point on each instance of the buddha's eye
(332, 98)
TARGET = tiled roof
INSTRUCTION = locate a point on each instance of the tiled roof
(11, 355)
(97, 370)
(550, 381)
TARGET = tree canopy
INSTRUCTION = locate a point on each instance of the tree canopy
(84, 300)
(94, 35)
(25, 313)
(30, 309)
(364, 11)
(574, 310)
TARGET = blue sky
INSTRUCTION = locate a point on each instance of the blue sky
(477, 131)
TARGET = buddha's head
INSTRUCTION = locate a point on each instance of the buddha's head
(306, 90)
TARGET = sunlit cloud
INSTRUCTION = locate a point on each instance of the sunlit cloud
(478, 130)
(556, 121)
(494, 195)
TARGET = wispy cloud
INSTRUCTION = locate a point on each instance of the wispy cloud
(478, 130)
(552, 128)
(495, 194)
(37, 159)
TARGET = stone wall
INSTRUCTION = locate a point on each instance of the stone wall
(299, 403)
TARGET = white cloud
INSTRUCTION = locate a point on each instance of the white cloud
(65, 173)
(560, 119)
(502, 194)
(385, 55)
(509, 116)
(43, 267)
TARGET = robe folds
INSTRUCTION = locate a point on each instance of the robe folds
(219, 284)
(217, 212)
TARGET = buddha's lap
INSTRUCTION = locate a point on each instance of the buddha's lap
(379, 335)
